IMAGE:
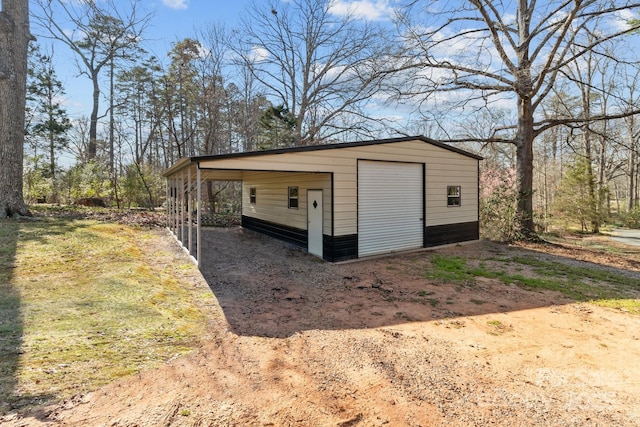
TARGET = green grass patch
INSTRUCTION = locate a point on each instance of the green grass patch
(498, 328)
(599, 286)
(581, 282)
(456, 269)
(81, 304)
(628, 305)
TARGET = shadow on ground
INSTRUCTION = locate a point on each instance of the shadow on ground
(12, 307)
(10, 315)
(269, 288)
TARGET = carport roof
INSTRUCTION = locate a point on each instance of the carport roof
(185, 162)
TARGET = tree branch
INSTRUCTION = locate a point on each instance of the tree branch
(549, 123)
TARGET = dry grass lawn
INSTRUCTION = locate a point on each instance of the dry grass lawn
(103, 323)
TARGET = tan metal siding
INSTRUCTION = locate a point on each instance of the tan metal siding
(443, 167)
(439, 176)
(272, 197)
(345, 201)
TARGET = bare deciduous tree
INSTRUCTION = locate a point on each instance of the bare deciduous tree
(14, 42)
(629, 99)
(101, 33)
(321, 67)
(482, 51)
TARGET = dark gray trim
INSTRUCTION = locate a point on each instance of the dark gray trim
(333, 230)
(292, 235)
(451, 233)
(338, 146)
(340, 248)
(478, 193)
(424, 197)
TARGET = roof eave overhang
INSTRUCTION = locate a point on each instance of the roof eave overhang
(179, 165)
(187, 161)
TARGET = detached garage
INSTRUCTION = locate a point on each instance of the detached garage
(339, 201)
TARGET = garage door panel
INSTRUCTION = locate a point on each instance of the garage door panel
(390, 207)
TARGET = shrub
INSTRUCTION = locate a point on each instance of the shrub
(86, 180)
(498, 200)
(631, 218)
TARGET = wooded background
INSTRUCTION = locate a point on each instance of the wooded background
(547, 92)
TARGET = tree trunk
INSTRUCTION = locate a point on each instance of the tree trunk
(526, 131)
(591, 195)
(211, 197)
(524, 169)
(52, 148)
(111, 117)
(93, 126)
(14, 41)
(632, 180)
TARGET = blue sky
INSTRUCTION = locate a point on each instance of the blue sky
(174, 20)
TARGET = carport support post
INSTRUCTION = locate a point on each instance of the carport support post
(177, 208)
(172, 206)
(168, 201)
(190, 218)
(181, 209)
(198, 214)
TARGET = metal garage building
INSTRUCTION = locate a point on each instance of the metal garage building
(340, 201)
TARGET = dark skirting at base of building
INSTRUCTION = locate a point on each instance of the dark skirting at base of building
(342, 248)
(334, 248)
(451, 233)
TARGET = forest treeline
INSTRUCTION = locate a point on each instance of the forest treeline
(551, 105)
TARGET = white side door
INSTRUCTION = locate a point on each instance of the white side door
(314, 222)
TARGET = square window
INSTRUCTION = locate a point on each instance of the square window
(293, 197)
(453, 195)
(252, 195)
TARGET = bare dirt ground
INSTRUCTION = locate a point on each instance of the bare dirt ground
(299, 342)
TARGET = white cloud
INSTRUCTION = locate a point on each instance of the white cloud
(259, 54)
(369, 10)
(176, 4)
(76, 2)
(621, 20)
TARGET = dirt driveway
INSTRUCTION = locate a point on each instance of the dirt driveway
(626, 236)
(299, 342)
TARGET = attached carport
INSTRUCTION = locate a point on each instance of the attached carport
(185, 181)
(185, 208)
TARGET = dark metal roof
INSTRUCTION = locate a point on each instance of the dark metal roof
(196, 159)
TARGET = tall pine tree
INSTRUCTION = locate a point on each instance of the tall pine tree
(50, 123)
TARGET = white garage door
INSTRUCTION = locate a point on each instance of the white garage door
(390, 207)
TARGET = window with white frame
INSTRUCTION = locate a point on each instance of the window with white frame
(293, 197)
(252, 195)
(453, 195)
